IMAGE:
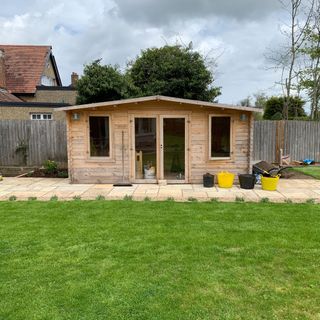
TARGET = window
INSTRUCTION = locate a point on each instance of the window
(220, 134)
(99, 136)
(47, 81)
(41, 116)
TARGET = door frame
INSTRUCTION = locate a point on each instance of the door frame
(133, 149)
(186, 147)
(159, 141)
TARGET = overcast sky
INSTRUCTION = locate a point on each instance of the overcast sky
(238, 32)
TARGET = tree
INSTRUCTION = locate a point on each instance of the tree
(310, 75)
(286, 59)
(274, 108)
(257, 100)
(173, 71)
(260, 100)
(103, 83)
(246, 102)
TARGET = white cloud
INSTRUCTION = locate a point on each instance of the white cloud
(81, 31)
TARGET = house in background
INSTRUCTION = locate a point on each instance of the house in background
(157, 138)
(30, 84)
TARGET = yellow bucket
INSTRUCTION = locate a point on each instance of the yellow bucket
(269, 183)
(225, 179)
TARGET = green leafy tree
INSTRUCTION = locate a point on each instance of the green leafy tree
(103, 83)
(173, 71)
(274, 108)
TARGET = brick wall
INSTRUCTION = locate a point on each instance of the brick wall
(23, 113)
(67, 95)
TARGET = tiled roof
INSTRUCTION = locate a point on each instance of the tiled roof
(24, 66)
(5, 96)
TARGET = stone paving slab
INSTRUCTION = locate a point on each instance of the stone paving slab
(45, 188)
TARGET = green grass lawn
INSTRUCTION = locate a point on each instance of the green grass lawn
(309, 171)
(159, 260)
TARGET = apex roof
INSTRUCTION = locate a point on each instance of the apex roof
(159, 98)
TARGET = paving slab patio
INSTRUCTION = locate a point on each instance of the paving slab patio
(299, 190)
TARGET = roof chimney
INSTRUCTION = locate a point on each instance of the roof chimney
(74, 79)
(3, 84)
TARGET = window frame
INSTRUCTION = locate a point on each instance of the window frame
(41, 116)
(95, 158)
(231, 136)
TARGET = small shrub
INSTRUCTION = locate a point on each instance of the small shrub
(100, 197)
(127, 198)
(214, 200)
(12, 198)
(32, 198)
(191, 199)
(147, 199)
(311, 201)
(62, 174)
(288, 201)
(77, 198)
(265, 200)
(170, 199)
(239, 199)
(54, 198)
(50, 166)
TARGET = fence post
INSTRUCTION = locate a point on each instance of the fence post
(279, 139)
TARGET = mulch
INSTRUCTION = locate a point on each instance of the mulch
(290, 174)
(42, 173)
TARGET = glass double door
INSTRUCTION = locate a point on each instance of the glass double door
(160, 149)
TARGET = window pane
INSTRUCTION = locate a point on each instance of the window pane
(174, 148)
(49, 116)
(44, 117)
(220, 137)
(38, 116)
(146, 148)
(99, 137)
(34, 117)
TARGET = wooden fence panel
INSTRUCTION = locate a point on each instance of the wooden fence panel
(42, 140)
(264, 140)
(299, 139)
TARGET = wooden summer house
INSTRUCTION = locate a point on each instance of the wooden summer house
(157, 139)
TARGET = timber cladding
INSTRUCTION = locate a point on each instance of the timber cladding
(84, 169)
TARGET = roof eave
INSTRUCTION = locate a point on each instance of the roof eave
(160, 98)
(56, 70)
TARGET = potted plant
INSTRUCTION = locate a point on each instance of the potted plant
(149, 171)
